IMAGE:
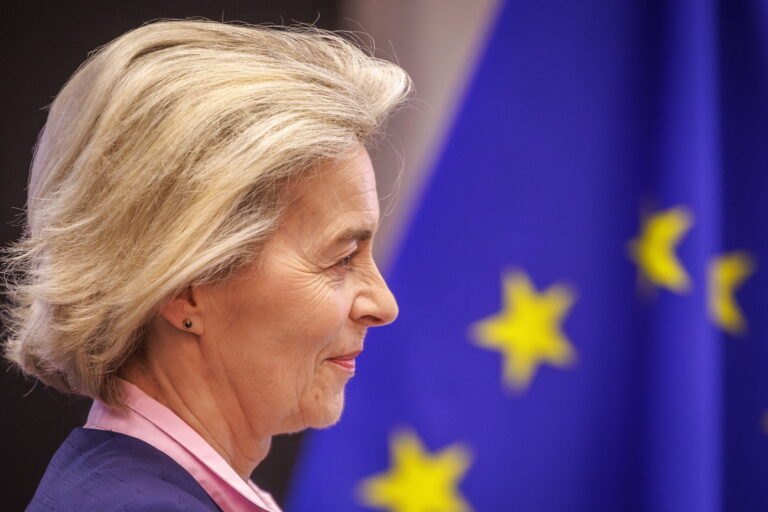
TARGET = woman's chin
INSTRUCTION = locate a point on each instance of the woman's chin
(328, 415)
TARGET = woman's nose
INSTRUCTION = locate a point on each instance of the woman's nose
(376, 305)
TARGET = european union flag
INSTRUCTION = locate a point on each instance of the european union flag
(581, 288)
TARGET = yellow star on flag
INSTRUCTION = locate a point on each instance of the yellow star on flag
(418, 481)
(654, 248)
(527, 330)
(727, 273)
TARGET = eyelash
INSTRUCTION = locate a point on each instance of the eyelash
(346, 261)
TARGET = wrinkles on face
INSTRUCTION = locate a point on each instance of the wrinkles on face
(340, 200)
(277, 324)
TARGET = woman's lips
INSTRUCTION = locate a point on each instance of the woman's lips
(348, 365)
(347, 361)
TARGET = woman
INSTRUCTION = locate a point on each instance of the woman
(197, 257)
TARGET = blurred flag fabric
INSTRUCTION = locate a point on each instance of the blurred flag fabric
(583, 286)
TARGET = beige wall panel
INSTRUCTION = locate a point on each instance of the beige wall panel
(437, 42)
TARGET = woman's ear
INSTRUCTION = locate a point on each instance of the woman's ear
(184, 313)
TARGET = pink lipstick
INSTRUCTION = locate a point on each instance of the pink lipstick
(347, 361)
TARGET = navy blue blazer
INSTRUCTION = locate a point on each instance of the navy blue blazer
(97, 470)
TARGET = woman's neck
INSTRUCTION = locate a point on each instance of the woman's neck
(199, 399)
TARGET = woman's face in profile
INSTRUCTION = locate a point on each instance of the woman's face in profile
(283, 335)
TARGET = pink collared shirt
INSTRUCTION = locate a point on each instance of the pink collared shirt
(155, 424)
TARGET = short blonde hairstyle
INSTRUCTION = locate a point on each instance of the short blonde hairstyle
(161, 166)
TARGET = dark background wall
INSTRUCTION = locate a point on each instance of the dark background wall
(42, 43)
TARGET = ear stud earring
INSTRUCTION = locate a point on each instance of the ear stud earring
(187, 323)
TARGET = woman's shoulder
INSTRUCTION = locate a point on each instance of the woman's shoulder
(103, 470)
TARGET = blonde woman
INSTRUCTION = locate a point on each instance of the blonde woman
(197, 257)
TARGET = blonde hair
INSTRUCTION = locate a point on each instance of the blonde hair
(161, 166)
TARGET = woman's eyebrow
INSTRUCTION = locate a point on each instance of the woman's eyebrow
(350, 234)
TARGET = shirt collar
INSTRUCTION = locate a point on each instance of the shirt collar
(155, 424)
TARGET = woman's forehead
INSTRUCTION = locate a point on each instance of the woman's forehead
(334, 206)
(342, 187)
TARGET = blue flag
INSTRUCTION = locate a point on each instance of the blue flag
(582, 288)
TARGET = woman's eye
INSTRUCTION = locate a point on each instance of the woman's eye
(346, 261)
